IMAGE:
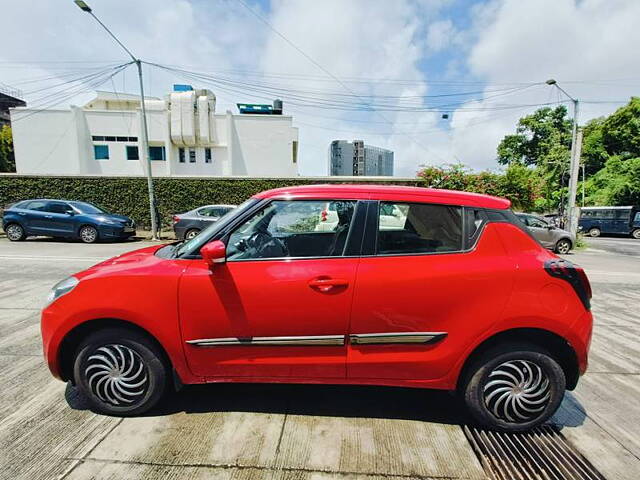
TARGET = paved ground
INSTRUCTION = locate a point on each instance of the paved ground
(290, 432)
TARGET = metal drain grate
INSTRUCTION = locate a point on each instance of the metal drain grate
(541, 454)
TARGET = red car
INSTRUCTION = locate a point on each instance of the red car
(451, 293)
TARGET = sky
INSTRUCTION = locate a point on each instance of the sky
(436, 81)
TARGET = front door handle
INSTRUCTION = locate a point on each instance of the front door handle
(326, 284)
(48, 216)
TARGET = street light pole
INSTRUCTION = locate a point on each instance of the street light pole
(145, 129)
(574, 168)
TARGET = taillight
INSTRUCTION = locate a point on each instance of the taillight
(176, 219)
(572, 274)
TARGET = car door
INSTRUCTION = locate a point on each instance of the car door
(421, 290)
(34, 217)
(58, 219)
(280, 305)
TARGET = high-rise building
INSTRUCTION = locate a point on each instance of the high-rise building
(357, 159)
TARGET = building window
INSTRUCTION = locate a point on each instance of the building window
(101, 152)
(109, 139)
(97, 138)
(207, 155)
(122, 139)
(132, 152)
(192, 155)
(157, 153)
(294, 151)
(181, 155)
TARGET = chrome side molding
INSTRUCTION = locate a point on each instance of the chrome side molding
(396, 338)
(326, 340)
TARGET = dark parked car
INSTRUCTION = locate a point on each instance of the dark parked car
(617, 220)
(188, 225)
(550, 236)
(66, 219)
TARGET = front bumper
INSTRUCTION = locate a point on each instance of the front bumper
(116, 232)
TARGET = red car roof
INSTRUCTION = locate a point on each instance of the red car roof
(388, 192)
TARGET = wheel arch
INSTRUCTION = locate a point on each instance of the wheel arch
(556, 345)
(75, 336)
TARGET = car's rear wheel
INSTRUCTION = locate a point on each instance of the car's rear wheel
(515, 388)
(15, 232)
(594, 232)
(88, 234)
(636, 234)
(563, 246)
(121, 372)
(191, 233)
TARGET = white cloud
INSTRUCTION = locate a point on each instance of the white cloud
(440, 35)
(577, 43)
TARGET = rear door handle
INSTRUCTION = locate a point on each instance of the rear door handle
(21, 213)
(326, 284)
(48, 216)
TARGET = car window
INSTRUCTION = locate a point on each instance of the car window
(536, 222)
(623, 214)
(296, 228)
(637, 219)
(57, 207)
(208, 212)
(426, 228)
(36, 205)
(473, 218)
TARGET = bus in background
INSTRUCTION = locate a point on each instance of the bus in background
(595, 221)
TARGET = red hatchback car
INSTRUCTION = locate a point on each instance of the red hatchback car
(407, 287)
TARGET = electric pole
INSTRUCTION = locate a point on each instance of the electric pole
(145, 130)
(574, 168)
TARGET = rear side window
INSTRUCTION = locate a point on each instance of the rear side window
(57, 207)
(474, 219)
(406, 228)
(37, 205)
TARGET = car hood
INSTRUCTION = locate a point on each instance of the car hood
(111, 216)
(135, 260)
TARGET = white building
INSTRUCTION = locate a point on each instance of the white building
(186, 137)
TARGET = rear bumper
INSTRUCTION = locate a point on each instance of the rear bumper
(179, 231)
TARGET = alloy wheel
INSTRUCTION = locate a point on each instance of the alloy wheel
(563, 247)
(88, 234)
(517, 391)
(117, 375)
(191, 234)
(15, 232)
(594, 232)
(636, 233)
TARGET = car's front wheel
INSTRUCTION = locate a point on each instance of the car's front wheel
(563, 246)
(88, 234)
(15, 232)
(515, 388)
(636, 234)
(121, 372)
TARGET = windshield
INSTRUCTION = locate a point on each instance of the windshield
(193, 245)
(87, 208)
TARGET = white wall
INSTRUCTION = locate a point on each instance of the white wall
(54, 142)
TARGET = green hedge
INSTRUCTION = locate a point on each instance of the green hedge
(128, 195)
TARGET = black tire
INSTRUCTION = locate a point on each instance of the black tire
(121, 372)
(594, 232)
(563, 246)
(498, 409)
(88, 234)
(191, 233)
(15, 232)
(636, 234)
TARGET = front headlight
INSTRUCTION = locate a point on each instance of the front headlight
(61, 288)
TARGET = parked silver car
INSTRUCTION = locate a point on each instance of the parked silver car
(550, 236)
(189, 224)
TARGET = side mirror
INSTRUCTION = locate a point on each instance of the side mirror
(551, 227)
(214, 252)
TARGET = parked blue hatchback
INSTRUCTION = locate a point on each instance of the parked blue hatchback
(66, 219)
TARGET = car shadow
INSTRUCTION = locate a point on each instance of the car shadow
(433, 406)
(76, 240)
(394, 403)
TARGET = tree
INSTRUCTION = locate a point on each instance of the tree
(7, 161)
(541, 138)
(618, 183)
(621, 131)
